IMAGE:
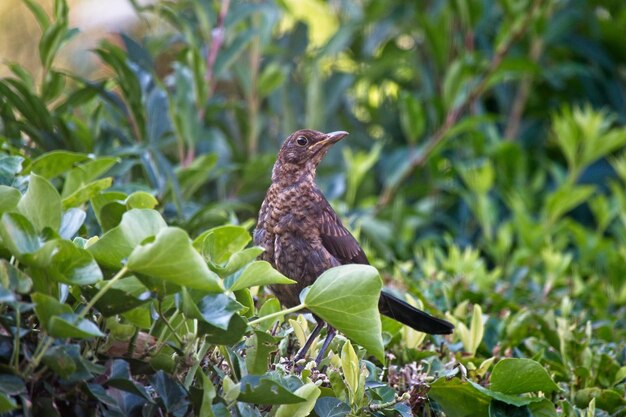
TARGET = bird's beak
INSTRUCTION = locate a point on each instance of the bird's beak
(333, 137)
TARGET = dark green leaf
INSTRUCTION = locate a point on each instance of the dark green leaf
(172, 393)
(258, 349)
(70, 325)
(60, 361)
(331, 407)
(265, 390)
(500, 409)
(215, 309)
(236, 329)
(47, 307)
(459, 398)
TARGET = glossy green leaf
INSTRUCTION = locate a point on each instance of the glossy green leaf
(13, 278)
(71, 325)
(86, 192)
(233, 334)
(214, 309)
(109, 206)
(346, 297)
(500, 409)
(141, 200)
(9, 197)
(265, 390)
(459, 398)
(171, 257)
(257, 273)
(18, 234)
(41, 204)
(71, 222)
(9, 167)
(47, 307)
(125, 295)
(310, 392)
(60, 361)
(118, 243)
(518, 376)
(220, 243)
(86, 173)
(239, 259)
(65, 262)
(331, 407)
(55, 163)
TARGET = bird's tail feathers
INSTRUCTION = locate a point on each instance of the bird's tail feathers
(413, 317)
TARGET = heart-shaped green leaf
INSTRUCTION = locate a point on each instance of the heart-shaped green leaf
(346, 297)
(172, 258)
(257, 273)
(518, 376)
(117, 244)
(41, 204)
(71, 325)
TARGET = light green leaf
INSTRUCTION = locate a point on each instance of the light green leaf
(86, 173)
(518, 376)
(66, 262)
(41, 204)
(310, 392)
(257, 273)
(86, 192)
(9, 197)
(55, 163)
(240, 259)
(117, 244)
(346, 297)
(477, 330)
(220, 243)
(141, 200)
(18, 235)
(351, 368)
(459, 398)
(171, 257)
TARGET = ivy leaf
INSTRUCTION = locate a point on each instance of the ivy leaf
(346, 297)
(258, 349)
(172, 258)
(265, 390)
(215, 309)
(519, 376)
(41, 204)
(18, 235)
(71, 325)
(257, 273)
(310, 392)
(118, 243)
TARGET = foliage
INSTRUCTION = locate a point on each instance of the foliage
(484, 174)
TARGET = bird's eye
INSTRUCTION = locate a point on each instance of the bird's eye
(302, 141)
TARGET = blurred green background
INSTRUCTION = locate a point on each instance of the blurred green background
(485, 163)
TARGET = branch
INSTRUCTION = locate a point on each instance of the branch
(453, 114)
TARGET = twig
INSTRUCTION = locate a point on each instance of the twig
(453, 115)
(377, 407)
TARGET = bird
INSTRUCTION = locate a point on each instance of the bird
(302, 236)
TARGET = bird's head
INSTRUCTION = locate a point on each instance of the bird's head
(302, 152)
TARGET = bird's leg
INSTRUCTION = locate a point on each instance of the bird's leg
(329, 338)
(307, 345)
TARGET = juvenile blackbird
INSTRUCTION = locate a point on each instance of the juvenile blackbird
(303, 237)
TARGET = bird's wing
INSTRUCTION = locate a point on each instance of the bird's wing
(337, 239)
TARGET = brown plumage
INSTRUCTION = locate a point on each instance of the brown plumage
(302, 235)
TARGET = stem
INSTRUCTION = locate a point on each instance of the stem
(43, 347)
(453, 114)
(106, 287)
(204, 347)
(169, 326)
(277, 314)
(376, 407)
(15, 357)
